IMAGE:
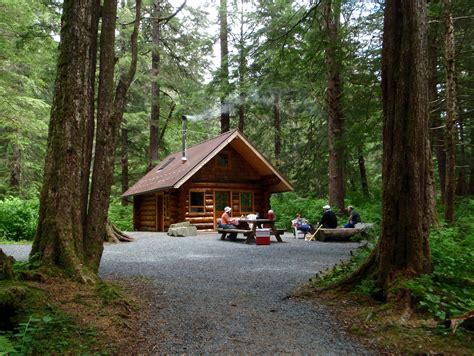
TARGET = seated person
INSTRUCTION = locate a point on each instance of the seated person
(354, 217)
(329, 218)
(251, 217)
(301, 224)
(228, 223)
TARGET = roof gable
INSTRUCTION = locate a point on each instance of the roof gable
(172, 172)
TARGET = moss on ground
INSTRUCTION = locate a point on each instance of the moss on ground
(60, 316)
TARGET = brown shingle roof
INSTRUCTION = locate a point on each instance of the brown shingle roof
(172, 172)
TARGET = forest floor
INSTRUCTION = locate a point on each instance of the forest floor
(387, 328)
(202, 295)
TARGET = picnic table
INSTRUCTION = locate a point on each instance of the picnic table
(251, 233)
(259, 222)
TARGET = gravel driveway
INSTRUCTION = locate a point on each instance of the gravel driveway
(213, 296)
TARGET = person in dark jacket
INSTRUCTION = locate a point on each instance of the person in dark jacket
(329, 218)
(354, 217)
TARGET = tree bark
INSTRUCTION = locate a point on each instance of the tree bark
(461, 185)
(277, 127)
(105, 138)
(451, 115)
(334, 107)
(15, 173)
(59, 235)
(471, 172)
(225, 109)
(90, 124)
(107, 133)
(155, 88)
(403, 249)
(437, 124)
(124, 161)
(363, 176)
(242, 71)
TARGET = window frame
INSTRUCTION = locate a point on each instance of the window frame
(252, 198)
(203, 206)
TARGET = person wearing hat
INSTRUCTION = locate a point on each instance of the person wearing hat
(226, 222)
(329, 218)
(354, 217)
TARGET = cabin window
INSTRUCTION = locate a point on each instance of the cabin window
(196, 202)
(223, 160)
(246, 202)
(222, 200)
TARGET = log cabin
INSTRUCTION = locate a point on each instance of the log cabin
(196, 185)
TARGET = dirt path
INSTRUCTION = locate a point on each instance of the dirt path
(212, 296)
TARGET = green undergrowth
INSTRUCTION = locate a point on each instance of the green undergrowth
(121, 216)
(449, 290)
(59, 316)
(33, 325)
(287, 205)
(19, 217)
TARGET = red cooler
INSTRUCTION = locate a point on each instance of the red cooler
(262, 237)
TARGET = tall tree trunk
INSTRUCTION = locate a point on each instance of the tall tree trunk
(461, 186)
(107, 132)
(363, 176)
(242, 70)
(471, 158)
(334, 106)
(225, 109)
(451, 115)
(403, 249)
(155, 88)
(15, 173)
(90, 124)
(59, 234)
(277, 127)
(124, 161)
(437, 123)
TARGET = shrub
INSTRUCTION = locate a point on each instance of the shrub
(121, 216)
(18, 219)
(287, 205)
(449, 290)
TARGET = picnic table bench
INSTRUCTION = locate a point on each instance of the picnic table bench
(249, 234)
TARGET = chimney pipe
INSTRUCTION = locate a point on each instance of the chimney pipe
(183, 157)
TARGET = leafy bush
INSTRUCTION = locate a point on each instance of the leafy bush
(287, 205)
(449, 290)
(18, 219)
(121, 216)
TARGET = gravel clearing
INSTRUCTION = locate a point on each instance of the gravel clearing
(212, 296)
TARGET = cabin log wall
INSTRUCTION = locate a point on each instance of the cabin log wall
(238, 177)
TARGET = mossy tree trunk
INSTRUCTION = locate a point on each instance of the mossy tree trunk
(60, 234)
(407, 195)
(154, 144)
(451, 115)
(334, 105)
(73, 222)
(223, 36)
(403, 248)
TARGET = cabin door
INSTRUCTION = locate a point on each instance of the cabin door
(159, 212)
(221, 200)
